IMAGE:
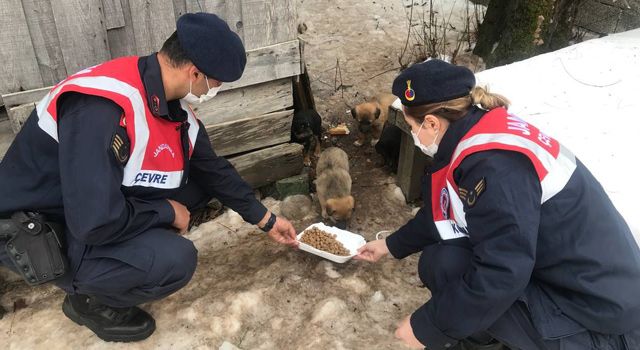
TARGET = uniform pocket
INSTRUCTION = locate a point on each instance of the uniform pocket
(547, 317)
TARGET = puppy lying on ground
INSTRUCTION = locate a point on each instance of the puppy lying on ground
(389, 146)
(306, 129)
(371, 117)
(333, 186)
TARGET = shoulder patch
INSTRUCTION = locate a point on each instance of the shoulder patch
(469, 197)
(120, 146)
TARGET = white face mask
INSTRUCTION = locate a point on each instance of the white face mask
(211, 93)
(430, 150)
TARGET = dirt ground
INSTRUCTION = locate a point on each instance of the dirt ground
(249, 292)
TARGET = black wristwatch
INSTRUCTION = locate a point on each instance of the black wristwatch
(269, 225)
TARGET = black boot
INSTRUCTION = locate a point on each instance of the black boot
(109, 323)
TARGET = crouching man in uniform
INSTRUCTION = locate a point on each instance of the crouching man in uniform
(114, 156)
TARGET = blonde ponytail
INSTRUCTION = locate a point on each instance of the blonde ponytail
(488, 100)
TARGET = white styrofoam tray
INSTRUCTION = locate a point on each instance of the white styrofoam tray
(350, 241)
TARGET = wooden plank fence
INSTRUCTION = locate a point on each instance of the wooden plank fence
(19, 69)
(44, 41)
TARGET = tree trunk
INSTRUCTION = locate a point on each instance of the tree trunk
(560, 32)
(514, 30)
(494, 22)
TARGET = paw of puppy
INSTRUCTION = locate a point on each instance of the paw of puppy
(357, 143)
(374, 141)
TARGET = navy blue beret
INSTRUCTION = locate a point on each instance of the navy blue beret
(212, 47)
(432, 81)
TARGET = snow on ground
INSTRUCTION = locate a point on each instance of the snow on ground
(587, 97)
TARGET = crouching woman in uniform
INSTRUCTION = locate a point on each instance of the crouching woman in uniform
(520, 244)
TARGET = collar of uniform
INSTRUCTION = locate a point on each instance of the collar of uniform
(149, 68)
(452, 136)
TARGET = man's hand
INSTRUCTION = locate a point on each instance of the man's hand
(283, 232)
(182, 214)
(372, 251)
(405, 334)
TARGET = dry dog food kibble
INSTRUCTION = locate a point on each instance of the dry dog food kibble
(324, 241)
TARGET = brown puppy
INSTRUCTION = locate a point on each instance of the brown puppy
(333, 186)
(371, 117)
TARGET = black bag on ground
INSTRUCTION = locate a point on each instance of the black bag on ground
(34, 246)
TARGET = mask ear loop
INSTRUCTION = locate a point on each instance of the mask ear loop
(420, 128)
(436, 138)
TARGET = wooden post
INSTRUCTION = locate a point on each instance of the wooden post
(410, 168)
(411, 162)
(19, 115)
(6, 137)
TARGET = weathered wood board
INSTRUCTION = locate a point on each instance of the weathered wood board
(81, 24)
(6, 137)
(113, 14)
(251, 133)
(153, 23)
(29, 96)
(263, 65)
(268, 165)
(19, 69)
(122, 41)
(248, 101)
(269, 63)
(46, 43)
(18, 115)
(266, 22)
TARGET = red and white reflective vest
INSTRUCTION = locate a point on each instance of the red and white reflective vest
(498, 130)
(156, 157)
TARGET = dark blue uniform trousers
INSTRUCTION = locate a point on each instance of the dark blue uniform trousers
(148, 267)
(440, 263)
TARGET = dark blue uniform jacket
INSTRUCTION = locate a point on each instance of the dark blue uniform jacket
(573, 260)
(78, 180)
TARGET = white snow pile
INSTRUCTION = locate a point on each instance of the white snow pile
(587, 97)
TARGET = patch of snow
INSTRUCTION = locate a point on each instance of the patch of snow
(297, 207)
(585, 96)
(377, 297)
(228, 346)
(327, 268)
(329, 310)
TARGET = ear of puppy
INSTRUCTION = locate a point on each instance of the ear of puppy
(329, 206)
(377, 114)
(352, 202)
